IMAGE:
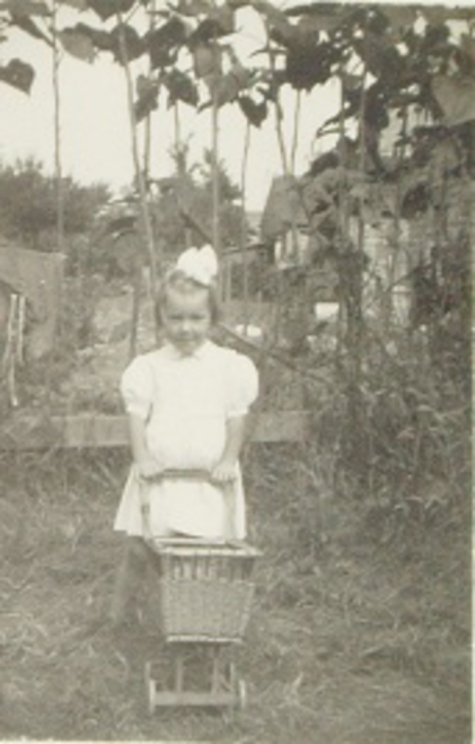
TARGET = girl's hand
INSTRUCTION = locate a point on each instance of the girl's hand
(149, 469)
(224, 472)
(146, 531)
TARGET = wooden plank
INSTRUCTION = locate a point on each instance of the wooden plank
(165, 698)
(23, 432)
(38, 276)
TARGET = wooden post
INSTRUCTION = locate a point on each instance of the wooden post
(215, 154)
(57, 133)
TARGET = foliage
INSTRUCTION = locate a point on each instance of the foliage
(28, 205)
(364, 527)
(313, 43)
(180, 207)
(393, 65)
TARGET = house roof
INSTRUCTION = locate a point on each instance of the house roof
(254, 220)
(283, 207)
(6, 243)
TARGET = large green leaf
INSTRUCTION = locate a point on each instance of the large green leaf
(467, 44)
(25, 7)
(280, 28)
(219, 22)
(456, 97)
(309, 27)
(193, 7)
(18, 74)
(107, 8)
(77, 44)
(416, 195)
(101, 40)
(401, 17)
(163, 42)
(207, 60)
(181, 87)
(30, 27)
(309, 64)
(268, 84)
(254, 112)
(376, 107)
(226, 88)
(381, 58)
(127, 35)
(147, 91)
(75, 39)
(77, 4)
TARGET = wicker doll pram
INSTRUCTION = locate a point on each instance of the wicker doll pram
(206, 590)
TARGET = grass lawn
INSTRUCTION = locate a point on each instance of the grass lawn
(351, 641)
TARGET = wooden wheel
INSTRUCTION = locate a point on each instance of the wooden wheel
(150, 688)
(241, 697)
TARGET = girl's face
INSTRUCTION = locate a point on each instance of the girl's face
(186, 318)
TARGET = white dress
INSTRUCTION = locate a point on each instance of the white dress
(186, 402)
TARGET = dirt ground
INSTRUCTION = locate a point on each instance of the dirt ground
(347, 643)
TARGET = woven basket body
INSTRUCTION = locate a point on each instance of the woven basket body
(206, 591)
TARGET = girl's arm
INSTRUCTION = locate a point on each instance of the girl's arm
(226, 469)
(146, 464)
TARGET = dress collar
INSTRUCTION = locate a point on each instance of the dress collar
(201, 353)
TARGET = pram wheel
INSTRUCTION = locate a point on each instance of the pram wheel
(241, 694)
(205, 600)
(150, 687)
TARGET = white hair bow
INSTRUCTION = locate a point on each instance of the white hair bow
(199, 264)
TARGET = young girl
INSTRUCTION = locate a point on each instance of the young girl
(186, 403)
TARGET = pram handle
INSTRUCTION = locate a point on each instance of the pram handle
(191, 474)
(187, 474)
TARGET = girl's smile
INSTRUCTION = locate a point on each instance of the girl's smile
(186, 318)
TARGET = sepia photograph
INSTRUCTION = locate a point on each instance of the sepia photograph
(236, 248)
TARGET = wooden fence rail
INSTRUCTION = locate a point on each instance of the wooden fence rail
(25, 432)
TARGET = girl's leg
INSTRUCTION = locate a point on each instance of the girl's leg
(129, 579)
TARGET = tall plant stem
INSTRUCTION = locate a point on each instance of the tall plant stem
(136, 291)
(281, 287)
(358, 299)
(181, 168)
(146, 222)
(278, 111)
(283, 150)
(351, 278)
(177, 127)
(280, 137)
(295, 139)
(57, 132)
(394, 254)
(342, 200)
(243, 232)
(341, 220)
(147, 155)
(215, 161)
(147, 149)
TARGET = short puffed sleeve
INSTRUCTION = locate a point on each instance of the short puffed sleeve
(242, 385)
(136, 387)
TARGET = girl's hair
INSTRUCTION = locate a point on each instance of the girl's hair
(182, 283)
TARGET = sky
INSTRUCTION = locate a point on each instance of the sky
(95, 127)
